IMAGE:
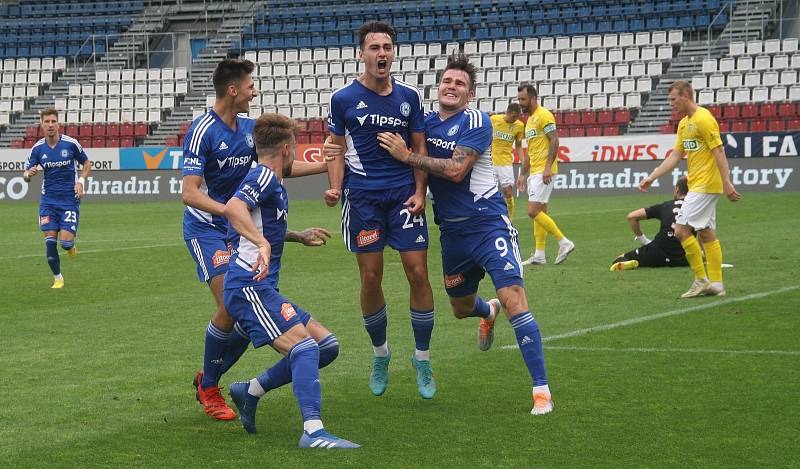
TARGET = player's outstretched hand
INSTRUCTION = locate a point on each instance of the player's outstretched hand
(731, 193)
(415, 204)
(395, 145)
(332, 197)
(261, 266)
(645, 184)
(315, 236)
(330, 150)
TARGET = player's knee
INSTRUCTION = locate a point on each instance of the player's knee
(418, 276)
(328, 350)
(533, 210)
(370, 279)
(67, 244)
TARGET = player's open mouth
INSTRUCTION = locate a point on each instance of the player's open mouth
(382, 65)
(451, 95)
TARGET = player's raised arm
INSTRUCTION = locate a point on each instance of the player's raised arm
(666, 166)
(238, 214)
(724, 172)
(454, 169)
(306, 168)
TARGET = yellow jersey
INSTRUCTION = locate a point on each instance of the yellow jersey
(540, 123)
(505, 135)
(697, 136)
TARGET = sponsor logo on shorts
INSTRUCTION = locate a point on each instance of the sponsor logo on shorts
(44, 220)
(420, 239)
(287, 311)
(220, 257)
(365, 238)
(508, 266)
(452, 281)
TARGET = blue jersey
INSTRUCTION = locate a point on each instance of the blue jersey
(222, 157)
(60, 169)
(476, 194)
(264, 194)
(358, 114)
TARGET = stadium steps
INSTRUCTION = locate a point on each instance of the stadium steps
(131, 43)
(217, 48)
(30, 116)
(689, 60)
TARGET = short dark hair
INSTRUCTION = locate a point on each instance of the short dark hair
(230, 71)
(273, 130)
(530, 89)
(683, 185)
(459, 61)
(50, 111)
(514, 108)
(375, 27)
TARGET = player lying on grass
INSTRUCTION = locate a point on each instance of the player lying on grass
(257, 215)
(664, 250)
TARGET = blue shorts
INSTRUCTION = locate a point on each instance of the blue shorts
(373, 218)
(263, 312)
(211, 256)
(59, 216)
(472, 247)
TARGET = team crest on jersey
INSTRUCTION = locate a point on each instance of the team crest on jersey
(452, 131)
(367, 237)
(405, 109)
(220, 257)
(249, 138)
(288, 311)
(452, 281)
(44, 220)
(64, 153)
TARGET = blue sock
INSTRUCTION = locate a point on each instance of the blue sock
(530, 344)
(216, 343)
(304, 359)
(280, 373)
(422, 323)
(67, 245)
(375, 324)
(328, 350)
(51, 248)
(481, 309)
(237, 345)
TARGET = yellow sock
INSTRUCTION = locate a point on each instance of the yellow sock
(714, 260)
(540, 235)
(549, 225)
(695, 258)
(510, 205)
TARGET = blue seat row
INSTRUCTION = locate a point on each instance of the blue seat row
(39, 9)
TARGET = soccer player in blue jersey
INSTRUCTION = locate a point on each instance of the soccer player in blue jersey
(58, 156)
(218, 152)
(476, 234)
(383, 201)
(257, 214)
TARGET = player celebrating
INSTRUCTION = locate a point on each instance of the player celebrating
(508, 133)
(663, 251)
(217, 154)
(476, 234)
(257, 212)
(59, 208)
(538, 170)
(384, 201)
(698, 137)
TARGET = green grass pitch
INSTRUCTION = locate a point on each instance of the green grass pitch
(99, 374)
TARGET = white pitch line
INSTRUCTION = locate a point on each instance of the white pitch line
(653, 317)
(90, 251)
(671, 350)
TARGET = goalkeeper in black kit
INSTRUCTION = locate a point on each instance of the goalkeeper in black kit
(663, 251)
